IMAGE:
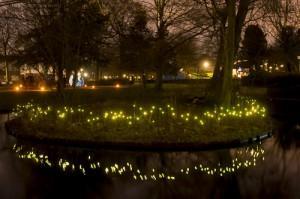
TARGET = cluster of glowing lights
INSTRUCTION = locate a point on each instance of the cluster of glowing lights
(243, 159)
(143, 115)
(21, 87)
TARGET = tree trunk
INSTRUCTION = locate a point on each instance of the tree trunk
(6, 71)
(289, 67)
(5, 64)
(60, 80)
(62, 64)
(144, 80)
(75, 77)
(215, 84)
(97, 72)
(159, 78)
(226, 86)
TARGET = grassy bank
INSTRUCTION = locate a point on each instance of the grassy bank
(142, 124)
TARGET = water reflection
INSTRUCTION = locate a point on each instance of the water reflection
(142, 166)
(288, 135)
(266, 170)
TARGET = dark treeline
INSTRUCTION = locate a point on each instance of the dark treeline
(155, 36)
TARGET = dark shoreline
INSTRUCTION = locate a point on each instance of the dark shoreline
(13, 130)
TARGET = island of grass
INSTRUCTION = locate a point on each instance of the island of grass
(135, 126)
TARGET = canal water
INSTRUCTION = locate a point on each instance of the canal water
(269, 169)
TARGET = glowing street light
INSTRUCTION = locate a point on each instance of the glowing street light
(17, 88)
(205, 64)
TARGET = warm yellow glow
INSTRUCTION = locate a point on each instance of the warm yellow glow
(93, 87)
(117, 86)
(42, 88)
(205, 64)
(17, 88)
(21, 86)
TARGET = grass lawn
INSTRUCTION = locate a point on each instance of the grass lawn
(146, 124)
(104, 95)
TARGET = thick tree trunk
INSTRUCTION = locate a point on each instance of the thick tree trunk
(226, 86)
(242, 12)
(223, 78)
(215, 84)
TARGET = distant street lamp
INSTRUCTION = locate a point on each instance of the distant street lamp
(205, 64)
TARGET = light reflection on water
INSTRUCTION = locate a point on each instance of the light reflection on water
(155, 166)
(272, 171)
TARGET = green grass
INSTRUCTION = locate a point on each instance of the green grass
(171, 93)
(144, 124)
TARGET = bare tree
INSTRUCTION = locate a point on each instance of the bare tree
(8, 33)
(62, 34)
(173, 24)
(282, 13)
(228, 19)
(283, 23)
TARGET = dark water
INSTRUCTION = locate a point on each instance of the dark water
(263, 170)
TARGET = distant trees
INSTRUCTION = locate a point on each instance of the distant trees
(288, 47)
(173, 24)
(135, 46)
(254, 46)
(62, 34)
(151, 33)
(188, 54)
(281, 14)
(283, 23)
(154, 35)
(8, 32)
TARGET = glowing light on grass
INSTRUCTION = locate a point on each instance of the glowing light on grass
(145, 116)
